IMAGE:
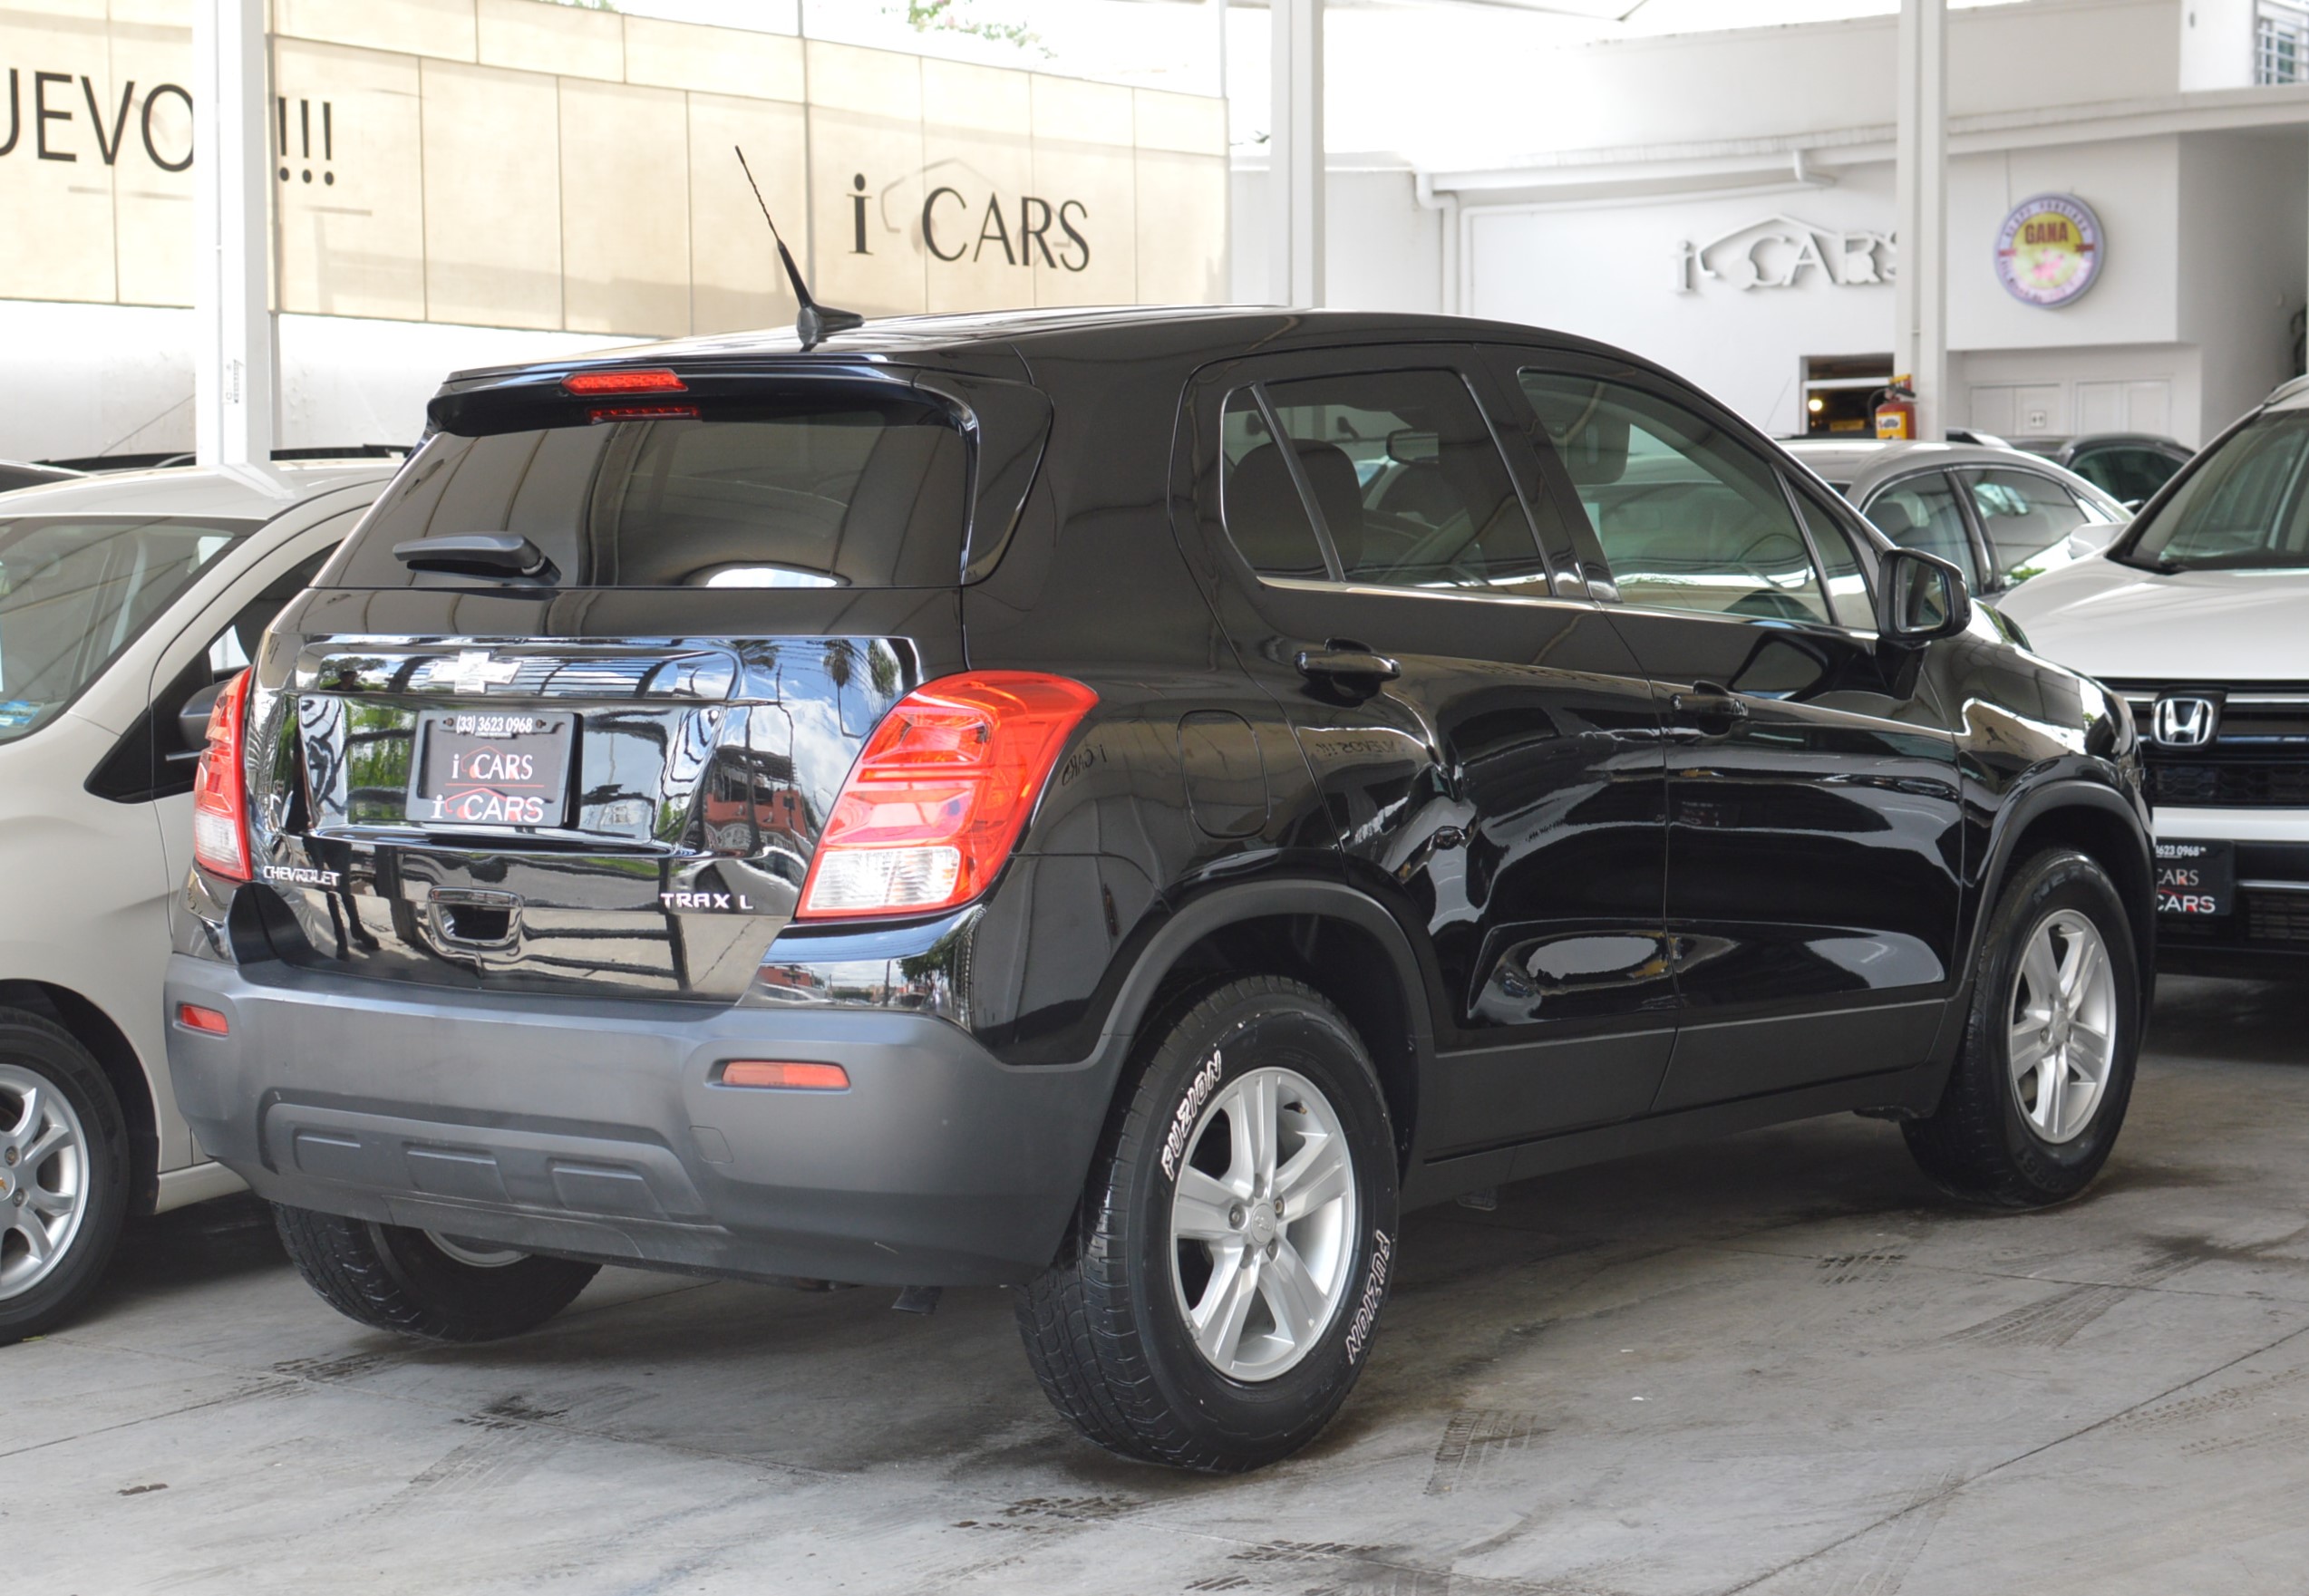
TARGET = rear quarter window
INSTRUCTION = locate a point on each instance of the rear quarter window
(823, 492)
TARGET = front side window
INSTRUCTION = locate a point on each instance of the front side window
(1847, 587)
(2028, 522)
(76, 590)
(1392, 479)
(1921, 512)
(1688, 514)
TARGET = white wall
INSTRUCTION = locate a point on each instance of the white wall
(2077, 388)
(1608, 272)
(2216, 44)
(77, 379)
(2244, 263)
(1383, 251)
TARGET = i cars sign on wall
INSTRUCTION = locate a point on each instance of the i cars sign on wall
(2049, 250)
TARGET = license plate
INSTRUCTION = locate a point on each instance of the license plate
(2195, 878)
(488, 768)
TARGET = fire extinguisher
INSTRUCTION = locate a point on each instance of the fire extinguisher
(1896, 414)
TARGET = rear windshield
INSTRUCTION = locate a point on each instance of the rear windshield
(76, 590)
(848, 492)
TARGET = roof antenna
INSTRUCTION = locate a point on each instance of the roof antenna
(816, 322)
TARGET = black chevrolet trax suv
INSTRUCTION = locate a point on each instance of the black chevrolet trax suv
(1119, 805)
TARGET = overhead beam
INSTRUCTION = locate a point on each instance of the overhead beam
(1295, 154)
(235, 365)
(1920, 155)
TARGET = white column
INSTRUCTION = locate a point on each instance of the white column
(233, 362)
(1920, 299)
(1294, 156)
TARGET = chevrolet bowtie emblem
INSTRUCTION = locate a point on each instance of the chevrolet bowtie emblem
(475, 670)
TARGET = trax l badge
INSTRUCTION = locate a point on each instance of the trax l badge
(705, 902)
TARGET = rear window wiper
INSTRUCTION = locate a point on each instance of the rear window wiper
(478, 554)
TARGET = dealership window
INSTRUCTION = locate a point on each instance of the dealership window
(1688, 516)
(1403, 472)
(2281, 50)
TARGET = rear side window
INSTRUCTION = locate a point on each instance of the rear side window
(818, 493)
(1403, 470)
(2126, 474)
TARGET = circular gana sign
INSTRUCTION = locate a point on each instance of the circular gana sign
(2049, 251)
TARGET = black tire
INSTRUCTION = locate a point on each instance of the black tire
(1979, 1145)
(46, 1054)
(393, 1278)
(1104, 1326)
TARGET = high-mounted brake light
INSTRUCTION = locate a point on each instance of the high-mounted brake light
(623, 380)
(220, 789)
(937, 798)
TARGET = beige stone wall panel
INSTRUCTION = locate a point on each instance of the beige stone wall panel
(152, 206)
(571, 40)
(1082, 113)
(355, 246)
(1185, 124)
(624, 208)
(443, 28)
(716, 61)
(56, 213)
(866, 179)
(492, 197)
(1093, 189)
(1182, 229)
(977, 139)
(736, 281)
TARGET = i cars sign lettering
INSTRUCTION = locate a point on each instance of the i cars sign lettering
(2049, 250)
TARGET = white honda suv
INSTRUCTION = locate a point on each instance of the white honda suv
(124, 601)
(2199, 615)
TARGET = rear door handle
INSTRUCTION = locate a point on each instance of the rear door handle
(1346, 664)
(1706, 703)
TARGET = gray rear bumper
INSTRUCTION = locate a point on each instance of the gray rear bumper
(592, 1130)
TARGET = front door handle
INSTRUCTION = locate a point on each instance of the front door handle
(1346, 664)
(1708, 704)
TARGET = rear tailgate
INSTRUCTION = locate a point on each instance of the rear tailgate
(606, 772)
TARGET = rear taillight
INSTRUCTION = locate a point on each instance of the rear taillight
(220, 789)
(937, 801)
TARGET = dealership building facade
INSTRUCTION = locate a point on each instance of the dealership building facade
(1724, 203)
(458, 182)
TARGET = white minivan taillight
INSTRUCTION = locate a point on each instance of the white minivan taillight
(937, 798)
(220, 789)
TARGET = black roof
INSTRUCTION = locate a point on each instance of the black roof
(1202, 331)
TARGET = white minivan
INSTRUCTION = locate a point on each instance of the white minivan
(2199, 615)
(124, 600)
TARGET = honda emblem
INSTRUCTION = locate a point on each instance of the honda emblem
(2184, 722)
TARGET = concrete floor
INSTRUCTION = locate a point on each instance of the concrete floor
(1779, 1364)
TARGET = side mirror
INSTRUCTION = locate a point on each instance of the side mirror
(193, 720)
(1920, 596)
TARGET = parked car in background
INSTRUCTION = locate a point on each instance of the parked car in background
(1998, 516)
(1014, 801)
(2199, 615)
(2129, 466)
(124, 601)
(16, 474)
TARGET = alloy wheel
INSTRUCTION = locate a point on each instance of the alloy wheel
(1263, 1224)
(2062, 1015)
(44, 1178)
